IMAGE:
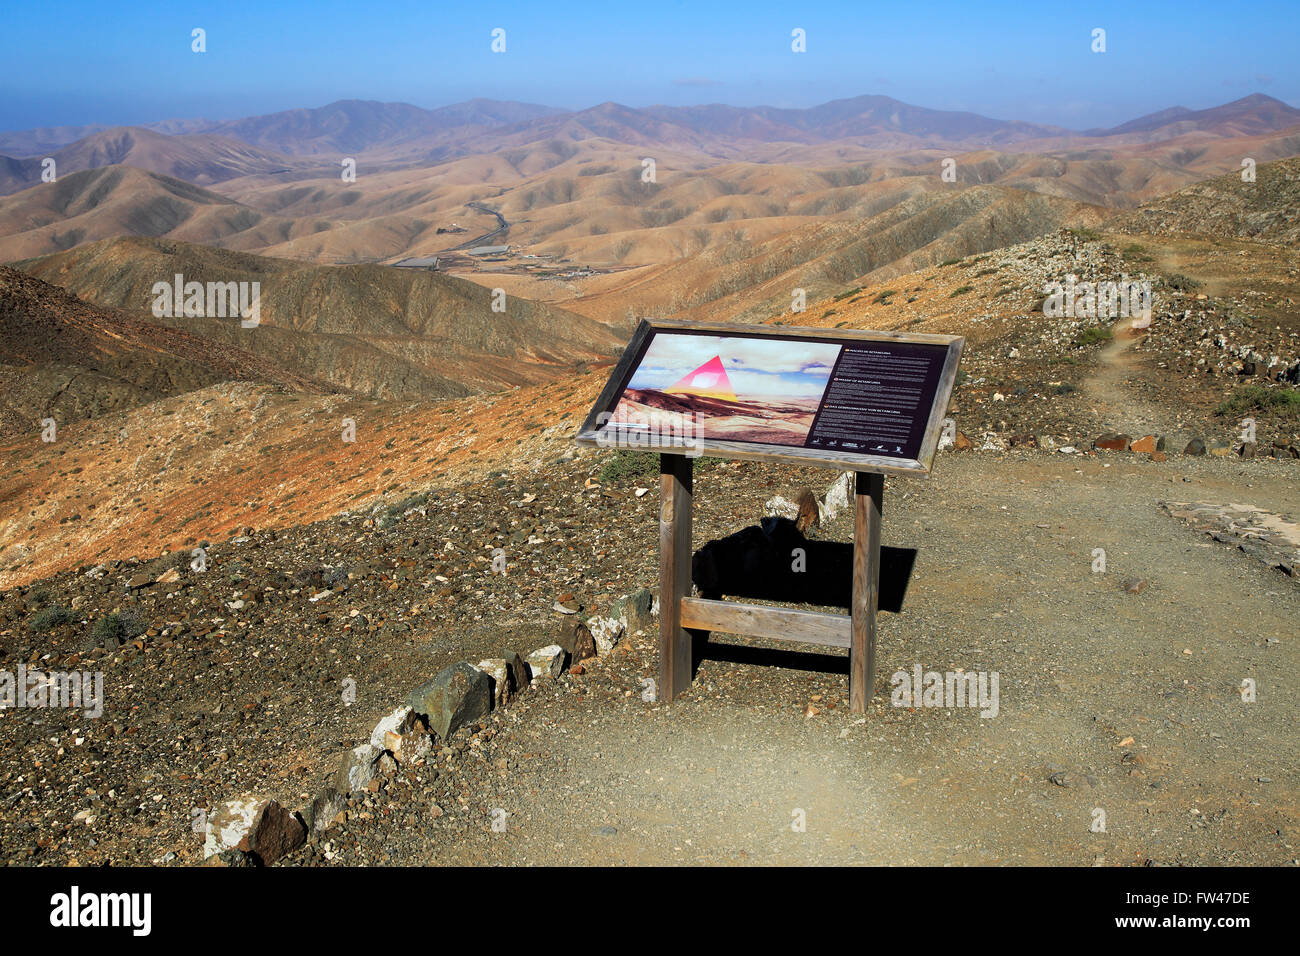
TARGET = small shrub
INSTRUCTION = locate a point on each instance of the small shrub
(56, 615)
(960, 290)
(1094, 335)
(1281, 403)
(115, 629)
(640, 464)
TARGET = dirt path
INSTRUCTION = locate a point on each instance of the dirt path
(1127, 704)
(1108, 390)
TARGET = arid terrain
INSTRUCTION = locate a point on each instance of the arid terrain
(355, 467)
(783, 420)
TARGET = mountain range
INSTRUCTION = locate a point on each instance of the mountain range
(401, 132)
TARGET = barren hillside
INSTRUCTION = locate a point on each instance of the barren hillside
(389, 333)
(65, 359)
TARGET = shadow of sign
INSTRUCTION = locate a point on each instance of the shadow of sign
(773, 561)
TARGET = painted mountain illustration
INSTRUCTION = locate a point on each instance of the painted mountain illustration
(708, 381)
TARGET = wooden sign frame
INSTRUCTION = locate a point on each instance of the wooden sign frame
(590, 433)
(683, 618)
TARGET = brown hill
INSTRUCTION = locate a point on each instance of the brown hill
(197, 159)
(380, 331)
(752, 280)
(121, 200)
(1267, 209)
(63, 358)
(192, 468)
(1248, 116)
(401, 130)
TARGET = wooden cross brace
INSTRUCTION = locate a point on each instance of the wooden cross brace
(682, 617)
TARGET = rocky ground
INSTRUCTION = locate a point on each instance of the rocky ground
(1127, 702)
(1223, 341)
(1121, 690)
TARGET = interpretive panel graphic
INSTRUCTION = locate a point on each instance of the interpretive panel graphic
(854, 398)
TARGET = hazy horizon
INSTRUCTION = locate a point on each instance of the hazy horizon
(133, 64)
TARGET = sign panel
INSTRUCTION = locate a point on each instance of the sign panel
(856, 400)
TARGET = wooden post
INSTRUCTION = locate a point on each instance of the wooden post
(868, 493)
(675, 487)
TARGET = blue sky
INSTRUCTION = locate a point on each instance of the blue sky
(105, 62)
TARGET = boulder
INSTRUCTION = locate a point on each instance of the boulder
(358, 769)
(1248, 450)
(1113, 442)
(809, 514)
(962, 443)
(781, 506)
(838, 496)
(1147, 444)
(320, 813)
(518, 669)
(258, 826)
(1219, 449)
(634, 611)
(606, 632)
(396, 723)
(404, 734)
(1195, 447)
(547, 661)
(578, 643)
(498, 671)
(459, 694)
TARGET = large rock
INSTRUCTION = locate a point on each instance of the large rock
(518, 668)
(319, 815)
(605, 631)
(459, 694)
(358, 769)
(1112, 442)
(404, 734)
(255, 825)
(396, 723)
(1146, 444)
(838, 496)
(1195, 447)
(578, 643)
(498, 671)
(547, 661)
(634, 611)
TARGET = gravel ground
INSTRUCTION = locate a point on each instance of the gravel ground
(1127, 703)
(1003, 582)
